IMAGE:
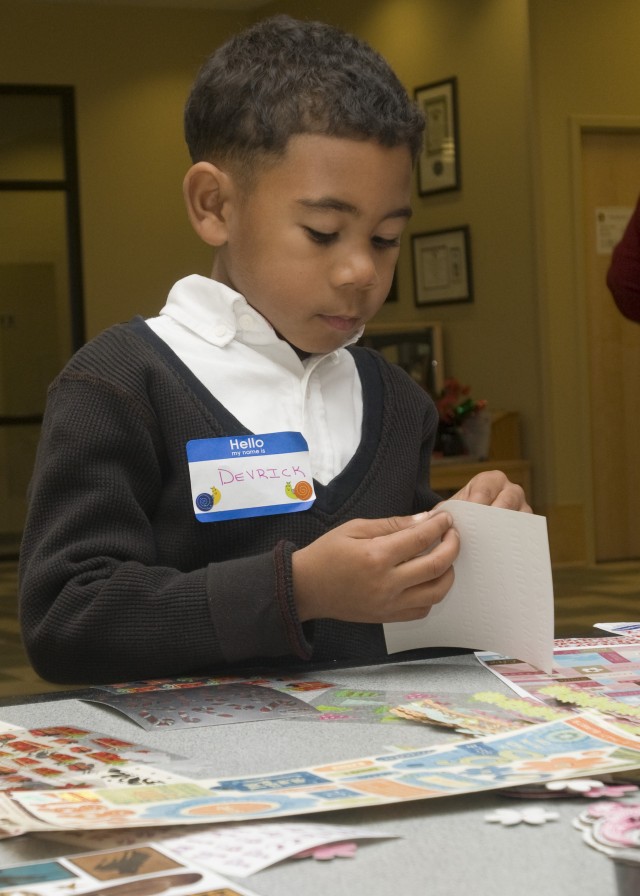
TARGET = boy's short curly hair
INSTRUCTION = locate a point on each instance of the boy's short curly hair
(283, 77)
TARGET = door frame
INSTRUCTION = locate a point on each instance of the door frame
(580, 125)
(66, 185)
(69, 185)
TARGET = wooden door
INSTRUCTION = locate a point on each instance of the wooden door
(611, 186)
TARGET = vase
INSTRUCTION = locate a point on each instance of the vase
(476, 434)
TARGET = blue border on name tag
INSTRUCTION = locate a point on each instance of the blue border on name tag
(245, 446)
(246, 512)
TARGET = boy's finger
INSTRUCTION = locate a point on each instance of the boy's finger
(390, 525)
(416, 538)
(431, 566)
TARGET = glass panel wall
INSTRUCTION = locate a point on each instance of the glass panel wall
(41, 321)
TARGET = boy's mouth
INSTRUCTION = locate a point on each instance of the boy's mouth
(343, 324)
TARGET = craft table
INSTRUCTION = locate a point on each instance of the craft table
(444, 846)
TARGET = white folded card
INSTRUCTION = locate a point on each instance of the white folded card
(502, 597)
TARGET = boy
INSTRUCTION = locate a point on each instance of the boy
(302, 142)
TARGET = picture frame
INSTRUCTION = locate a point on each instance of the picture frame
(439, 162)
(442, 266)
(392, 295)
(416, 347)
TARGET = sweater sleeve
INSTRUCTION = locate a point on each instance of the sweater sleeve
(623, 276)
(96, 605)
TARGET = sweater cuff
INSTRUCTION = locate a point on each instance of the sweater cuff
(252, 607)
(284, 595)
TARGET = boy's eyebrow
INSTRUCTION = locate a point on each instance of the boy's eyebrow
(328, 203)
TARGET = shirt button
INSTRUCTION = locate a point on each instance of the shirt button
(246, 322)
(220, 330)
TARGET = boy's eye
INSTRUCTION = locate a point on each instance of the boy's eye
(325, 239)
(318, 236)
(381, 243)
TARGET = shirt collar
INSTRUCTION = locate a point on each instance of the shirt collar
(215, 312)
(219, 314)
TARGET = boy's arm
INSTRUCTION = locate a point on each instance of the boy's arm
(383, 570)
(96, 603)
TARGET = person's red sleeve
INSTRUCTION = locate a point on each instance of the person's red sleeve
(623, 276)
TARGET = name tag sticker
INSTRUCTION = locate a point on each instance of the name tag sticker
(243, 476)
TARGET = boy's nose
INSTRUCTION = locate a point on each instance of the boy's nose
(357, 269)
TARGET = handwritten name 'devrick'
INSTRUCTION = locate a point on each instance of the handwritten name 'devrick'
(228, 476)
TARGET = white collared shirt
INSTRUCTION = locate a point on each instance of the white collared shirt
(235, 352)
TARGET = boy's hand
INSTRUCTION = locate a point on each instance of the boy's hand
(376, 570)
(495, 489)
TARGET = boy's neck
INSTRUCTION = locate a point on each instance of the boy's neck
(302, 355)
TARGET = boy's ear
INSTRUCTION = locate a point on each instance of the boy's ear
(207, 191)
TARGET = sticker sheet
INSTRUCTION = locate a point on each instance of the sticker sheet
(609, 667)
(236, 849)
(582, 643)
(582, 744)
(369, 706)
(66, 756)
(144, 870)
(300, 686)
(477, 714)
(627, 716)
(214, 701)
(619, 628)
(221, 704)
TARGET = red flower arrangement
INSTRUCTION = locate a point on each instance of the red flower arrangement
(455, 403)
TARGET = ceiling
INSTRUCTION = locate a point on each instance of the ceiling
(173, 4)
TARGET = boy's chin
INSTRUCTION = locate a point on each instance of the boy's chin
(317, 347)
(311, 345)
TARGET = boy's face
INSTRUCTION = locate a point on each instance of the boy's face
(313, 244)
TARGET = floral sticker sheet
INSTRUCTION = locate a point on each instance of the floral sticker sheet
(67, 756)
(220, 704)
(580, 744)
(301, 686)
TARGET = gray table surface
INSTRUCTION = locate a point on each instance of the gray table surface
(444, 846)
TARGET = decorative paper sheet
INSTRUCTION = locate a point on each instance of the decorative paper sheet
(502, 597)
(582, 744)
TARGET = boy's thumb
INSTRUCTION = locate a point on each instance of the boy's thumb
(389, 525)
